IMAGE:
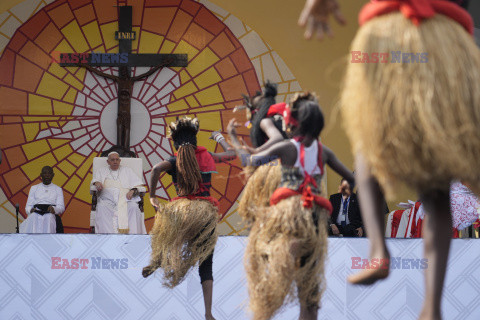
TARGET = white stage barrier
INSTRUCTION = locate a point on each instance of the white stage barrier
(105, 281)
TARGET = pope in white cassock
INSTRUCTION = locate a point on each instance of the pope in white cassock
(117, 207)
(45, 200)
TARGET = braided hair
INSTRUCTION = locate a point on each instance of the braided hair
(184, 136)
(260, 110)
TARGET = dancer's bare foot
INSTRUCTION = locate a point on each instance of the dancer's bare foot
(425, 315)
(148, 270)
(209, 317)
(370, 276)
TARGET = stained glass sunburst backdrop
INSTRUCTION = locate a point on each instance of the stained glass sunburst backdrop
(64, 117)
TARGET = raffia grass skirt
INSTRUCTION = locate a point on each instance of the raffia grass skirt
(183, 235)
(284, 249)
(416, 124)
(258, 190)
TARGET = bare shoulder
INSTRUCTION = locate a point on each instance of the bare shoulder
(266, 123)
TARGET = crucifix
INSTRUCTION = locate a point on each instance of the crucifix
(124, 60)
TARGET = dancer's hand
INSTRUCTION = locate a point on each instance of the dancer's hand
(315, 18)
(155, 203)
(248, 148)
(214, 134)
(51, 209)
(232, 127)
(232, 132)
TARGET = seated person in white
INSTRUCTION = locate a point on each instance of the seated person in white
(117, 206)
(45, 200)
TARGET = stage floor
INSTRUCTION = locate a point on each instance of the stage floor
(105, 282)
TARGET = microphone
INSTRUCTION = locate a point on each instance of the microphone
(17, 207)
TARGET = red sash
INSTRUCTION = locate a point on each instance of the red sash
(304, 190)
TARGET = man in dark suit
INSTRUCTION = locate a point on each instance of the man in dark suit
(346, 219)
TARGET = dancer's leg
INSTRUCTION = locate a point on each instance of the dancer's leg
(371, 203)
(205, 271)
(437, 232)
(308, 312)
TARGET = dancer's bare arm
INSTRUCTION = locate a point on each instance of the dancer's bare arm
(272, 133)
(315, 17)
(333, 162)
(229, 153)
(154, 176)
(285, 151)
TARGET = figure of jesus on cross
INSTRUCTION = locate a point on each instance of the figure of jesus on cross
(125, 87)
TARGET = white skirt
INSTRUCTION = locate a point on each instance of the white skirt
(36, 223)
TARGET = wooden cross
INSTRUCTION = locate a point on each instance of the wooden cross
(124, 60)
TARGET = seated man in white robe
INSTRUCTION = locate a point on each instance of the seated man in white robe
(117, 207)
(45, 200)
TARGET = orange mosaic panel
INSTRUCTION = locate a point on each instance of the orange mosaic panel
(179, 25)
(85, 15)
(153, 24)
(163, 3)
(36, 25)
(27, 75)
(17, 42)
(209, 21)
(13, 101)
(104, 9)
(228, 87)
(49, 37)
(197, 36)
(222, 45)
(16, 180)
(15, 157)
(190, 6)
(241, 60)
(61, 15)
(6, 65)
(225, 68)
(74, 4)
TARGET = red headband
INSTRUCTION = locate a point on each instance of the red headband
(417, 10)
(284, 110)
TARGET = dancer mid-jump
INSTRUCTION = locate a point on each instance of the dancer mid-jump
(184, 232)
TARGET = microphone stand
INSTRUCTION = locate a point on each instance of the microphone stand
(16, 209)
